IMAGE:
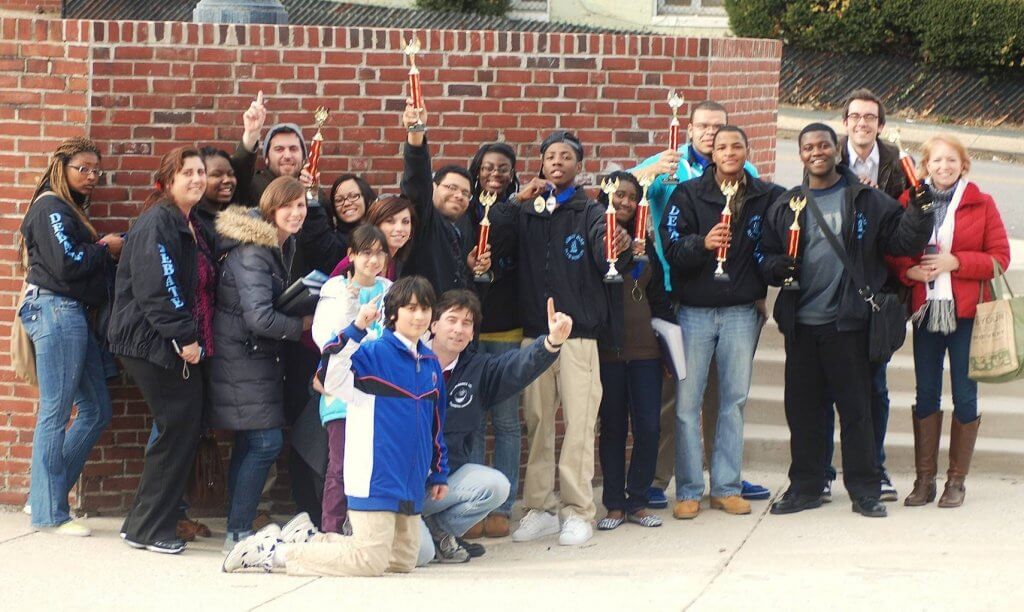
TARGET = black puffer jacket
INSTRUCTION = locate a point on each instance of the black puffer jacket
(155, 288)
(874, 225)
(246, 374)
(63, 256)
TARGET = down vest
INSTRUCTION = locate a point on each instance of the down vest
(978, 237)
(246, 374)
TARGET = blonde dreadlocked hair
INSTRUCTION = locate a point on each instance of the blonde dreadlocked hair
(54, 179)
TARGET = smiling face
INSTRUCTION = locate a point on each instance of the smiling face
(730, 153)
(862, 122)
(349, 202)
(284, 157)
(451, 195)
(79, 172)
(495, 173)
(368, 263)
(398, 229)
(703, 128)
(412, 319)
(561, 165)
(221, 182)
(189, 184)
(818, 153)
(290, 216)
(453, 330)
(944, 165)
(624, 201)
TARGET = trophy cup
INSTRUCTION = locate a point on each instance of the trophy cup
(676, 102)
(796, 204)
(643, 217)
(609, 188)
(487, 199)
(906, 163)
(415, 91)
(312, 165)
(729, 189)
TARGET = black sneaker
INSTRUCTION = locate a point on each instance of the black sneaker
(826, 493)
(448, 550)
(795, 502)
(870, 507)
(167, 547)
(475, 550)
(889, 493)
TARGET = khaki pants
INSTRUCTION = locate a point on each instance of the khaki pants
(380, 541)
(574, 381)
(666, 466)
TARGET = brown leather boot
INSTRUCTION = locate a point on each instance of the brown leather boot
(927, 432)
(961, 449)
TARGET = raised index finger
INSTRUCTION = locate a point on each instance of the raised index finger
(259, 98)
(551, 308)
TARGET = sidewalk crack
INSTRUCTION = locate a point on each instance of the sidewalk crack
(282, 594)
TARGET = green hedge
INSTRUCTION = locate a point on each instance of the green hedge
(480, 7)
(982, 35)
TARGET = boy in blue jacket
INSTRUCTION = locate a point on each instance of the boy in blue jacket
(396, 400)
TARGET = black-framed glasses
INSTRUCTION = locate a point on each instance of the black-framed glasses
(84, 170)
(465, 192)
(855, 117)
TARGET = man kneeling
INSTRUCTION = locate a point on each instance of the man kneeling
(474, 381)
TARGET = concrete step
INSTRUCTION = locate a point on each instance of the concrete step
(767, 446)
(1003, 415)
(770, 369)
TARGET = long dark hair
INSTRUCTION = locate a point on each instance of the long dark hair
(389, 206)
(369, 196)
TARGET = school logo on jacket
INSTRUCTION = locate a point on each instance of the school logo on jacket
(461, 395)
(862, 225)
(574, 247)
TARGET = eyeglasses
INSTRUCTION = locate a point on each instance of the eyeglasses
(465, 192)
(93, 171)
(502, 169)
(704, 127)
(855, 117)
(352, 197)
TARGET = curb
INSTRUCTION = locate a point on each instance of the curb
(1005, 145)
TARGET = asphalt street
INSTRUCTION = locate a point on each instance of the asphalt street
(1004, 181)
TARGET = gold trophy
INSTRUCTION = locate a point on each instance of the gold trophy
(729, 189)
(312, 166)
(643, 218)
(415, 90)
(487, 199)
(674, 131)
(609, 188)
(796, 204)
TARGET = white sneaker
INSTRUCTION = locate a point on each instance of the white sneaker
(254, 552)
(536, 524)
(270, 530)
(575, 531)
(27, 509)
(298, 530)
(71, 528)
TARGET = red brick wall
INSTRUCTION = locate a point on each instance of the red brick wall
(140, 89)
(33, 6)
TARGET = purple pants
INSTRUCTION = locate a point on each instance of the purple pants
(335, 504)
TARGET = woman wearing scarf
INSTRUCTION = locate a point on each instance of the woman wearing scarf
(945, 283)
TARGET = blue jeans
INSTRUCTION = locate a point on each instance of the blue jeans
(879, 418)
(507, 432)
(69, 363)
(729, 334)
(473, 492)
(254, 452)
(929, 350)
(631, 398)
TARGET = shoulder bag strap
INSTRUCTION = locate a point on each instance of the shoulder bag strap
(862, 288)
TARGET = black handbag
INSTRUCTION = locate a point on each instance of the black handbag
(887, 319)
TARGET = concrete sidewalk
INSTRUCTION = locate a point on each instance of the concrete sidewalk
(922, 558)
(1001, 143)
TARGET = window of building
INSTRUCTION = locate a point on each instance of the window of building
(690, 7)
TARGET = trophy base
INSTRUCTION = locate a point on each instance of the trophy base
(485, 278)
(612, 278)
(791, 286)
(722, 278)
(419, 127)
(671, 180)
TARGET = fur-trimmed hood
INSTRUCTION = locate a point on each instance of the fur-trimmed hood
(241, 225)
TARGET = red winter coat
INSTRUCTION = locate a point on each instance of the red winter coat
(978, 237)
